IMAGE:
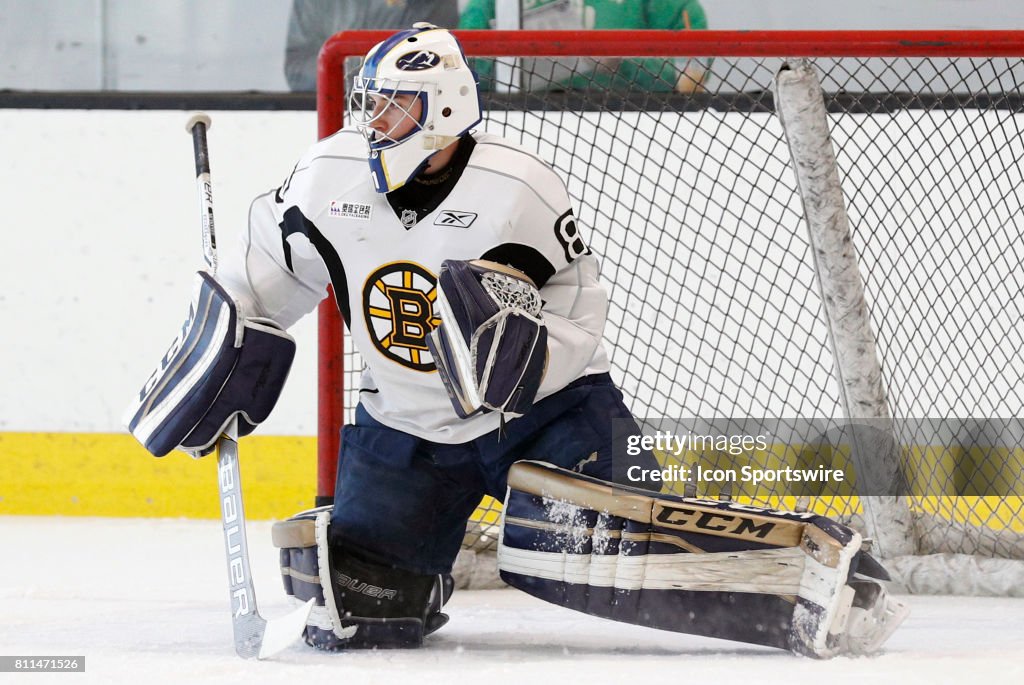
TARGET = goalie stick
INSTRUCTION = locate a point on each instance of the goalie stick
(254, 635)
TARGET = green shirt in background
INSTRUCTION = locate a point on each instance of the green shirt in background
(648, 74)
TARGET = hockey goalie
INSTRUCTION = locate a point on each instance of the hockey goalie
(469, 289)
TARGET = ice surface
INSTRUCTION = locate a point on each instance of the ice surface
(145, 601)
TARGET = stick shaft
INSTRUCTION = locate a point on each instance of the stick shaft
(248, 626)
(254, 636)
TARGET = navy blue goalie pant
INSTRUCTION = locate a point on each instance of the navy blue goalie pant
(406, 501)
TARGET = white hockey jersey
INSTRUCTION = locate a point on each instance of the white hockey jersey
(326, 224)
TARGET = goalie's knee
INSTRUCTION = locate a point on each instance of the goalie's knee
(719, 569)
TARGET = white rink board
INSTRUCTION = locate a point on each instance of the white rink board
(102, 224)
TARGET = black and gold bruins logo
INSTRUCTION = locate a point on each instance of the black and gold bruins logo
(398, 306)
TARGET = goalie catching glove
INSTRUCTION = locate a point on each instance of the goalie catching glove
(491, 347)
(220, 366)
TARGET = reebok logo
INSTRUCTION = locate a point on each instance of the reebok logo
(455, 219)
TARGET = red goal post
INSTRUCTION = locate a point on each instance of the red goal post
(711, 348)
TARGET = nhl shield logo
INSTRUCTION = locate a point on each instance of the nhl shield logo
(418, 61)
(409, 218)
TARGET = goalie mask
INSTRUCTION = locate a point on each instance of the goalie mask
(414, 95)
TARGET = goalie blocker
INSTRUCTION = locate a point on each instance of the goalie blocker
(220, 365)
(797, 581)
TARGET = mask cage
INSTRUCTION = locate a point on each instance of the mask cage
(372, 99)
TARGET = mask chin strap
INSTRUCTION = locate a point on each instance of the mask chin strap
(432, 142)
(400, 162)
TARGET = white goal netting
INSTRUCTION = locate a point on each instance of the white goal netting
(716, 308)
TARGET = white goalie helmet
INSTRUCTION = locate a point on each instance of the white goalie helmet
(425, 67)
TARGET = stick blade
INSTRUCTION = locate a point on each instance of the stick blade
(248, 632)
(279, 633)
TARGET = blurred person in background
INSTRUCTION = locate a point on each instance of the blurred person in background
(684, 76)
(312, 22)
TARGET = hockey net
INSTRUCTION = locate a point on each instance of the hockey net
(717, 312)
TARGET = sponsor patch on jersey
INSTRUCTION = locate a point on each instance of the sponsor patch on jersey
(398, 307)
(455, 219)
(418, 61)
(350, 210)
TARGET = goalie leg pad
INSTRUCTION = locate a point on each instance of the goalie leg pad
(359, 604)
(780, 579)
(220, 365)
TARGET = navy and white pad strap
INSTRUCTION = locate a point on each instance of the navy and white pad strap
(220, 365)
(305, 569)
